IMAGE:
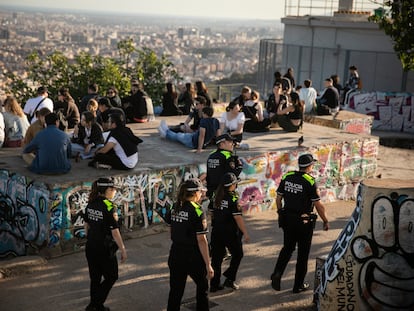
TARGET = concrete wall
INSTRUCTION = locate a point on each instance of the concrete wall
(391, 111)
(370, 266)
(37, 217)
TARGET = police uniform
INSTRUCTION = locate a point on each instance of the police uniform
(299, 191)
(218, 163)
(101, 249)
(225, 233)
(185, 256)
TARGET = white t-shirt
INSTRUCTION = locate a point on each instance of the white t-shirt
(2, 126)
(308, 95)
(130, 161)
(31, 104)
(232, 125)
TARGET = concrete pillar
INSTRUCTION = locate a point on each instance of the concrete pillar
(371, 265)
(346, 5)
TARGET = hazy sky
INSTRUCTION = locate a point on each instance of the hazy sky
(248, 9)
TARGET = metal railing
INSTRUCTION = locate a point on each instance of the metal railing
(328, 7)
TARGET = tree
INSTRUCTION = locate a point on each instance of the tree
(398, 23)
(56, 70)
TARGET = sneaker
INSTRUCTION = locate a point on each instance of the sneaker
(214, 289)
(276, 281)
(302, 288)
(162, 132)
(102, 166)
(230, 284)
(244, 146)
(164, 125)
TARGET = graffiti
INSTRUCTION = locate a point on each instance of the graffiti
(23, 208)
(144, 199)
(391, 111)
(387, 274)
(371, 265)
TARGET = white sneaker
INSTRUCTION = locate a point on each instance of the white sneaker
(164, 125)
(162, 132)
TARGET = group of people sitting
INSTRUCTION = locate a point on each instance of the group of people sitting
(98, 133)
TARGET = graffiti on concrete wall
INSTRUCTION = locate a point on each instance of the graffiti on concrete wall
(371, 265)
(391, 111)
(23, 215)
(145, 198)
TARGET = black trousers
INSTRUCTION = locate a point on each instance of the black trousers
(187, 261)
(219, 241)
(295, 232)
(101, 265)
(110, 158)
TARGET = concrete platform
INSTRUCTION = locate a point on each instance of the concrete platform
(43, 212)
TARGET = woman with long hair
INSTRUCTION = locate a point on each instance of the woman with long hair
(228, 228)
(170, 101)
(290, 118)
(189, 254)
(253, 111)
(66, 105)
(15, 122)
(186, 99)
(103, 241)
(202, 90)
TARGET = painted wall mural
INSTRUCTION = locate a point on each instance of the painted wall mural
(33, 216)
(391, 111)
(371, 265)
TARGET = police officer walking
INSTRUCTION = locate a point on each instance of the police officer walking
(103, 240)
(228, 230)
(189, 254)
(299, 193)
(220, 162)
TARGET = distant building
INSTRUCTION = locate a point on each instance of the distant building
(4, 34)
(317, 46)
(180, 33)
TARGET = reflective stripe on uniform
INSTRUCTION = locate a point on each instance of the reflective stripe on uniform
(109, 205)
(197, 208)
(226, 153)
(309, 179)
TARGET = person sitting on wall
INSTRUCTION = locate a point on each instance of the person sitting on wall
(290, 118)
(52, 147)
(253, 111)
(328, 102)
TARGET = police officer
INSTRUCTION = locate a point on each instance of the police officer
(103, 240)
(299, 193)
(220, 162)
(228, 230)
(189, 254)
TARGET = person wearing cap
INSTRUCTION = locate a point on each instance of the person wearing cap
(228, 228)
(299, 194)
(220, 162)
(189, 253)
(32, 105)
(103, 241)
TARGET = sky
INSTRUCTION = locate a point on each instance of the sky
(244, 9)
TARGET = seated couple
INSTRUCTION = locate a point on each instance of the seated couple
(208, 130)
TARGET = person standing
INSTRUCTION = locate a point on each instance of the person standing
(299, 193)
(221, 162)
(34, 104)
(52, 148)
(103, 241)
(228, 230)
(189, 254)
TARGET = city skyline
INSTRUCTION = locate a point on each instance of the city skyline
(241, 9)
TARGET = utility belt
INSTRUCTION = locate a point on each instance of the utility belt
(305, 217)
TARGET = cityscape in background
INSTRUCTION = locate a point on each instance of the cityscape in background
(205, 49)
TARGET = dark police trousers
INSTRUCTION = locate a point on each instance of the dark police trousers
(101, 264)
(295, 232)
(219, 241)
(184, 261)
